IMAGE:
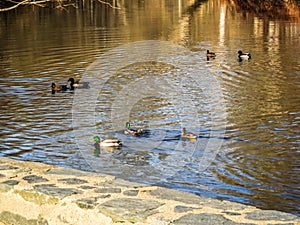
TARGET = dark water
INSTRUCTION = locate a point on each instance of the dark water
(246, 114)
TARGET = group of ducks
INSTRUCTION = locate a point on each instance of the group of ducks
(72, 84)
(115, 142)
(241, 55)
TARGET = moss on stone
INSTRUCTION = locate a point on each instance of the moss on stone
(37, 198)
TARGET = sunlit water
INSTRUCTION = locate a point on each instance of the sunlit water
(258, 162)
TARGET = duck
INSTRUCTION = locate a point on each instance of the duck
(210, 54)
(132, 131)
(242, 55)
(111, 142)
(76, 84)
(190, 136)
(55, 88)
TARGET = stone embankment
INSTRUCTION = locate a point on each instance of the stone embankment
(35, 193)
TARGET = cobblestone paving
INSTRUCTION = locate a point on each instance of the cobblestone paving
(39, 194)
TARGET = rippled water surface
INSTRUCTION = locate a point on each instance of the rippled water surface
(246, 113)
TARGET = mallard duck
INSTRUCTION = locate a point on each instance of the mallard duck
(242, 55)
(76, 84)
(111, 142)
(132, 131)
(186, 135)
(210, 54)
(58, 88)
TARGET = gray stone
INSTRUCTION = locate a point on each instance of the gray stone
(131, 192)
(52, 190)
(125, 183)
(108, 190)
(182, 208)
(8, 167)
(129, 209)
(271, 215)
(184, 197)
(7, 185)
(11, 182)
(85, 187)
(225, 205)
(190, 198)
(281, 224)
(232, 213)
(87, 203)
(15, 219)
(72, 181)
(105, 196)
(34, 179)
(204, 219)
(68, 172)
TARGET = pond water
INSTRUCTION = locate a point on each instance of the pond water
(146, 63)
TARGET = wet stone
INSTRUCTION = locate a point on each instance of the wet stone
(108, 190)
(204, 219)
(131, 192)
(87, 203)
(182, 208)
(52, 190)
(129, 209)
(72, 181)
(35, 179)
(271, 215)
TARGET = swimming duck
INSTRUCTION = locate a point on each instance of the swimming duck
(132, 131)
(242, 55)
(76, 84)
(186, 135)
(210, 54)
(58, 88)
(111, 142)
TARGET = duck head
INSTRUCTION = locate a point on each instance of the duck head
(71, 80)
(127, 125)
(96, 139)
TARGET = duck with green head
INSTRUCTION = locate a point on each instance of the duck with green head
(111, 142)
(132, 131)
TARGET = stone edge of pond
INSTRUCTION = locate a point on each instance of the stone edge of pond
(37, 193)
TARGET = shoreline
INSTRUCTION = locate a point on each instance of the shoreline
(37, 193)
